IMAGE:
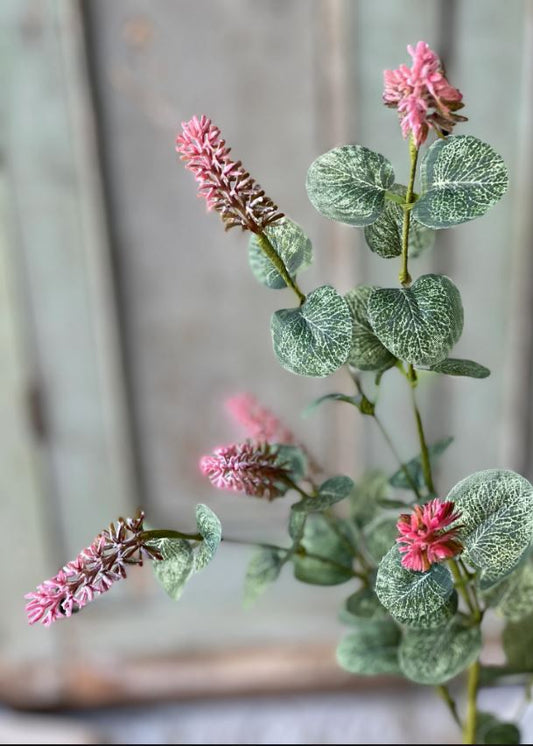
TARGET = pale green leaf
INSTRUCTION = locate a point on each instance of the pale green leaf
(176, 567)
(210, 528)
(490, 730)
(370, 649)
(331, 491)
(517, 638)
(362, 606)
(332, 545)
(293, 459)
(456, 367)
(314, 339)
(380, 535)
(297, 520)
(414, 466)
(353, 400)
(419, 324)
(263, 569)
(348, 184)
(290, 243)
(496, 520)
(367, 352)
(461, 178)
(424, 600)
(371, 488)
(433, 656)
(384, 236)
(517, 601)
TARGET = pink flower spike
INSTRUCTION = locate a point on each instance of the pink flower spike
(224, 184)
(260, 423)
(93, 572)
(247, 467)
(424, 539)
(422, 95)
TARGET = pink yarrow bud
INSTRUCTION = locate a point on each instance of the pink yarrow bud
(92, 573)
(424, 539)
(260, 423)
(224, 184)
(422, 95)
(252, 468)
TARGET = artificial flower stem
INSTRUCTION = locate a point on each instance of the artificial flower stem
(424, 451)
(469, 732)
(405, 277)
(267, 248)
(445, 695)
(462, 587)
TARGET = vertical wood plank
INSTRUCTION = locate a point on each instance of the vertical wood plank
(64, 259)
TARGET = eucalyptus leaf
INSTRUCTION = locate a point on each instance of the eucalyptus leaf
(370, 650)
(314, 339)
(297, 520)
(353, 400)
(263, 569)
(176, 567)
(461, 178)
(348, 184)
(433, 656)
(490, 730)
(384, 236)
(293, 459)
(517, 602)
(210, 528)
(365, 498)
(331, 491)
(380, 535)
(362, 606)
(290, 243)
(517, 639)
(419, 324)
(456, 367)
(424, 600)
(329, 541)
(414, 466)
(496, 520)
(367, 352)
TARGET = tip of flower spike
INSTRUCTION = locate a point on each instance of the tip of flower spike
(427, 535)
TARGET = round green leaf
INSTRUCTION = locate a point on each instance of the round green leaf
(461, 178)
(384, 236)
(370, 649)
(430, 656)
(176, 567)
(314, 339)
(456, 367)
(424, 600)
(332, 546)
(367, 352)
(517, 639)
(292, 245)
(380, 535)
(263, 569)
(371, 488)
(517, 602)
(210, 528)
(293, 459)
(348, 184)
(419, 324)
(491, 730)
(362, 606)
(331, 491)
(496, 520)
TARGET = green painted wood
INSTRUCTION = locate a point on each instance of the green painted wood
(63, 249)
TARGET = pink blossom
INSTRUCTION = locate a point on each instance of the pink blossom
(252, 468)
(225, 185)
(423, 540)
(259, 421)
(93, 572)
(422, 95)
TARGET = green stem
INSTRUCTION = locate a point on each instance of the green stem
(279, 264)
(445, 695)
(424, 451)
(462, 586)
(392, 447)
(469, 732)
(404, 276)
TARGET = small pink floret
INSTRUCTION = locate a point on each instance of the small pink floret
(423, 96)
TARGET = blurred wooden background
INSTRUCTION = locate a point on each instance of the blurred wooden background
(127, 315)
